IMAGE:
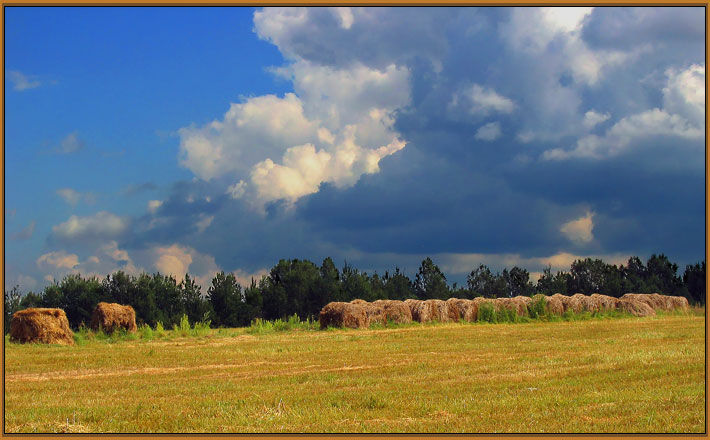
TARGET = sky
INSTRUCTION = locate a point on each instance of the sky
(186, 139)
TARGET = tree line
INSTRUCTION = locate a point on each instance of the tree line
(301, 287)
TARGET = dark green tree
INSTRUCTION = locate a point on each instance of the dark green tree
(196, 306)
(661, 276)
(430, 282)
(225, 297)
(12, 305)
(481, 282)
(694, 280)
(356, 285)
(398, 286)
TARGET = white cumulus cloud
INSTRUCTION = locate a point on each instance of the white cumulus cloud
(102, 225)
(489, 132)
(579, 230)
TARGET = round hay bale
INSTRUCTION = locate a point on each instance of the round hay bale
(563, 299)
(375, 313)
(577, 303)
(645, 298)
(635, 307)
(39, 325)
(521, 304)
(554, 305)
(439, 310)
(679, 302)
(359, 301)
(396, 311)
(341, 314)
(516, 304)
(462, 309)
(421, 310)
(111, 317)
(604, 302)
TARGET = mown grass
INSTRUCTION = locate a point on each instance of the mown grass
(598, 374)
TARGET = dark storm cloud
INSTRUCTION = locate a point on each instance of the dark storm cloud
(448, 191)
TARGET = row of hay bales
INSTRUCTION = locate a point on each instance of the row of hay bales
(50, 326)
(361, 314)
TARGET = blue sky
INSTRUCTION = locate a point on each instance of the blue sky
(206, 139)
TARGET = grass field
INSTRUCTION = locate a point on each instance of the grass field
(600, 375)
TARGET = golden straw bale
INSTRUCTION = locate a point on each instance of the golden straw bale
(111, 317)
(563, 299)
(679, 302)
(421, 312)
(463, 309)
(48, 326)
(341, 314)
(521, 303)
(375, 313)
(396, 311)
(439, 310)
(635, 307)
(577, 303)
(359, 301)
(554, 305)
(604, 302)
(660, 302)
(516, 304)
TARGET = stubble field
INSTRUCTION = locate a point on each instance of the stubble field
(600, 375)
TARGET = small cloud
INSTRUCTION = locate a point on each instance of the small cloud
(237, 190)
(69, 195)
(102, 225)
(489, 132)
(485, 101)
(73, 197)
(70, 144)
(153, 205)
(25, 233)
(204, 223)
(580, 230)
(592, 118)
(21, 82)
(57, 260)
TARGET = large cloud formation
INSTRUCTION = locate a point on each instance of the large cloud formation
(504, 136)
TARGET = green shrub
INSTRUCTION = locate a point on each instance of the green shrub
(159, 330)
(487, 313)
(201, 328)
(538, 307)
(505, 315)
(146, 332)
(184, 326)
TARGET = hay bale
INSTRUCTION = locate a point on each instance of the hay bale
(375, 312)
(462, 309)
(424, 311)
(439, 310)
(521, 304)
(359, 301)
(635, 307)
(39, 325)
(516, 304)
(604, 302)
(341, 314)
(679, 302)
(111, 317)
(396, 311)
(659, 302)
(554, 305)
(577, 303)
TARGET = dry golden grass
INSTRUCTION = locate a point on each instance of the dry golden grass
(613, 375)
